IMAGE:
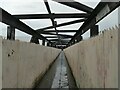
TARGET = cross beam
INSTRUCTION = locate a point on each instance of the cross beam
(60, 31)
(12, 21)
(56, 34)
(52, 19)
(76, 5)
(100, 12)
(62, 37)
(62, 24)
(47, 16)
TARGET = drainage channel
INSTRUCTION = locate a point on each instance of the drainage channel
(59, 75)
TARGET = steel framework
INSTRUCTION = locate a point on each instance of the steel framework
(90, 18)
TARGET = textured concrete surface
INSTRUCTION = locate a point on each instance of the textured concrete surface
(94, 62)
(0, 63)
(61, 78)
(23, 64)
(58, 76)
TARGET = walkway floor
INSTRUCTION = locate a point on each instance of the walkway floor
(59, 75)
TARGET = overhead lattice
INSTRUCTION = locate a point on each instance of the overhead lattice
(61, 39)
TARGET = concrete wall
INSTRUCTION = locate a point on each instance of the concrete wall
(94, 62)
(0, 63)
(24, 63)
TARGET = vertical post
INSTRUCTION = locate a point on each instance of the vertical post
(80, 38)
(10, 33)
(47, 44)
(34, 40)
(94, 31)
(74, 42)
(43, 42)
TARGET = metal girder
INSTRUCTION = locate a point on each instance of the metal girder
(54, 23)
(61, 45)
(47, 16)
(57, 40)
(10, 33)
(94, 30)
(76, 5)
(63, 36)
(43, 42)
(16, 23)
(101, 11)
(62, 24)
(60, 31)
(55, 34)
(50, 36)
(34, 40)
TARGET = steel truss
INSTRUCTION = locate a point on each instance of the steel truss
(90, 18)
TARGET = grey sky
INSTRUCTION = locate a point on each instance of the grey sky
(37, 7)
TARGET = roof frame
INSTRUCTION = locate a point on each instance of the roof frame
(54, 23)
(62, 24)
(48, 16)
(75, 5)
(11, 20)
(96, 16)
(90, 18)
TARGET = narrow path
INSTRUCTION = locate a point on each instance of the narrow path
(59, 75)
(61, 78)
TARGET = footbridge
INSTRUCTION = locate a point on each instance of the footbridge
(62, 60)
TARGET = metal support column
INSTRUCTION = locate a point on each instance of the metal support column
(34, 40)
(94, 31)
(80, 38)
(43, 42)
(74, 42)
(47, 44)
(10, 33)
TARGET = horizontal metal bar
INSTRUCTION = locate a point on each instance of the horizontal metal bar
(76, 5)
(50, 36)
(16, 23)
(57, 40)
(100, 12)
(47, 16)
(61, 31)
(62, 24)
(55, 34)
(62, 37)
(52, 19)
(10, 33)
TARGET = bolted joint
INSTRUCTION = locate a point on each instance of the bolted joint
(10, 33)
(34, 40)
(94, 30)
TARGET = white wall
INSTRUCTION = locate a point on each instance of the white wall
(0, 62)
(94, 62)
(24, 63)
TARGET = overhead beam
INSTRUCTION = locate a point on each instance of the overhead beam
(55, 34)
(34, 40)
(50, 36)
(101, 11)
(61, 31)
(57, 40)
(16, 23)
(75, 5)
(54, 23)
(10, 33)
(62, 37)
(62, 24)
(47, 16)
(94, 30)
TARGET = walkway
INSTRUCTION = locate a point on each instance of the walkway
(59, 75)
